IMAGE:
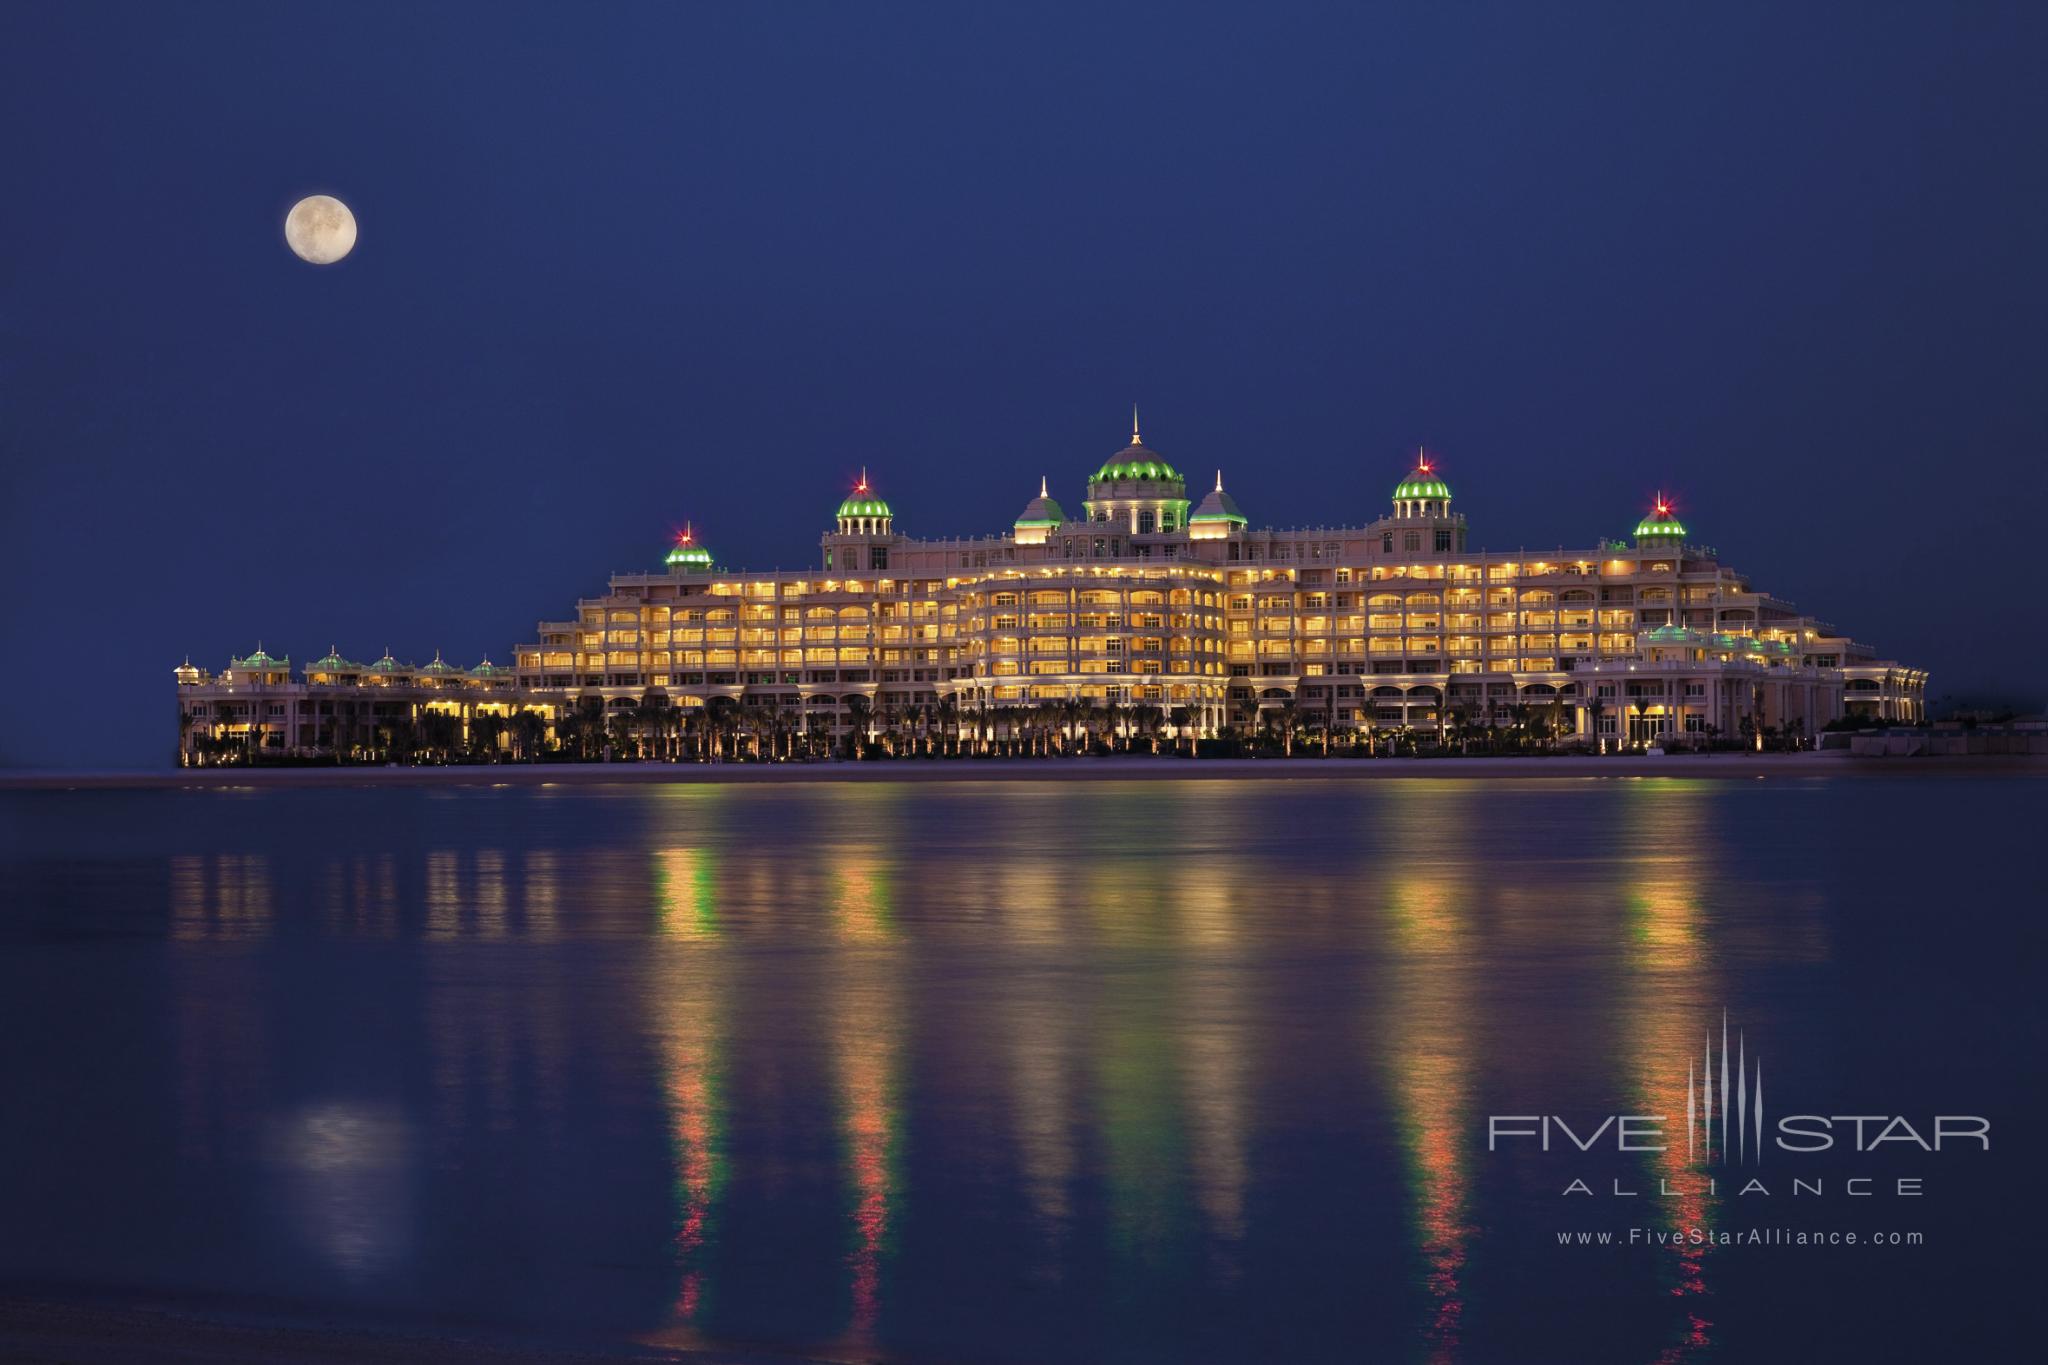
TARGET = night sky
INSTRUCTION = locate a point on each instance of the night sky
(626, 266)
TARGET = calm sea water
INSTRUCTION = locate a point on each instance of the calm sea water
(1020, 1072)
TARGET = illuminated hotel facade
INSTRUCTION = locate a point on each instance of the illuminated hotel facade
(1145, 598)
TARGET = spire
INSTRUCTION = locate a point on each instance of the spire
(863, 484)
(1043, 492)
(1219, 481)
(1134, 426)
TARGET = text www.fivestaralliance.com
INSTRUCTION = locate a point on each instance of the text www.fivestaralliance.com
(1753, 1236)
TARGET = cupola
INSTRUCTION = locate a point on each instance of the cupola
(1217, 516)
(862, 513)
(1137, 490)
(1040, 517)
(1661, 529)
(686, 555)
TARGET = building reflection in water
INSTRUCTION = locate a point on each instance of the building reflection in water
(500, 1043)
(1042, 1041)
(856, 851)
(1211, 893)
(1424, 1035)
(362, 896)
(1137, 1099)
(690, 1005)
(1670, 991)
(221, 901)
(224, 896)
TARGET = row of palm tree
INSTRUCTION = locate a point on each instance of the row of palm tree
(757, 728)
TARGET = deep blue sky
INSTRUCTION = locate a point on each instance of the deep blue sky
(622, 266)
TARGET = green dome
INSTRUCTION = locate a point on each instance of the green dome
(862, 502)
(1422, 482)
(1417, 486)
(687, 555)
(1660, 524)
(1043, 510)
(1219, 506)
(1136, 463)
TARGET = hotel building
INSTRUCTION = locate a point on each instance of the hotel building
(1145, 596)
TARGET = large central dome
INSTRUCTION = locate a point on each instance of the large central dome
(1137, 462)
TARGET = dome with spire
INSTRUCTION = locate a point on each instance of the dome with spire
(1422, 494)
(1136, 462)
(686, 555)
(1662, 524)
(1218, 508)
(1422, 481)
(863, 501)
(1043, 510)
(863, 511)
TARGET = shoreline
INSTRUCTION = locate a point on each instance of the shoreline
(1123, 768)
(95, 1330)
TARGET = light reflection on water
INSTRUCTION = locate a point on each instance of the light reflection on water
(1151, 1071)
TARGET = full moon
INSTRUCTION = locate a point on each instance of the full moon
(320, 229)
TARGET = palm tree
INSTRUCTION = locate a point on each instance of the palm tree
(487, 734)
(1461, 726)
(1286, 718)
(224, 715)
(650, 719)
(860, 710)
(529, 732)
(1072, 713)
(398, 736)
(1146, 722)
(721, 716)
(586, 723)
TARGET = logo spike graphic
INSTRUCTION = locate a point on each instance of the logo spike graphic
(1690, 1105)
(1758, 1110)
(1724, 1088)
(1741, 1098)
(1707, 1093)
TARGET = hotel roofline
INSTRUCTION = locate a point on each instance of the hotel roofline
(1149, 596)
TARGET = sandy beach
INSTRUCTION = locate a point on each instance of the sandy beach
(1118, 769)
